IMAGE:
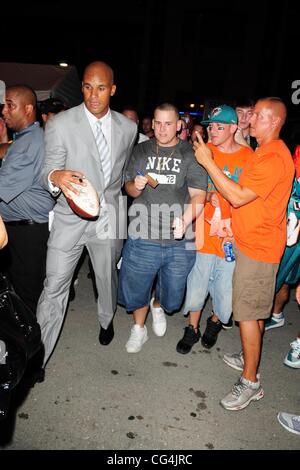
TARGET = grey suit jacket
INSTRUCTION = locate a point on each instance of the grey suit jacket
(70, 145)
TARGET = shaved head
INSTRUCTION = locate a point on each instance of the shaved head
(269, 115)
(98, 87)
(277, 107)
(25, 94)
(98, 66)
(19, 110)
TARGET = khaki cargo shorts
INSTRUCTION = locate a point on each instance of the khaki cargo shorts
(253, 288)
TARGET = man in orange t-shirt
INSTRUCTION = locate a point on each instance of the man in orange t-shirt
(211, 273)
(259, 227)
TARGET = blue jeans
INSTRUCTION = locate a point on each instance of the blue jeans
(210, 275)
(142, 261)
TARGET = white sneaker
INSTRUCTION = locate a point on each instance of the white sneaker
(274, 322)
(236, 361)
(242, 393)
(138, 337)
(292, 359)
(159, 323)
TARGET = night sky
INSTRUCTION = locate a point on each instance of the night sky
(183, 51)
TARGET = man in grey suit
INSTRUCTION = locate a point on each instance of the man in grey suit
(71, 155)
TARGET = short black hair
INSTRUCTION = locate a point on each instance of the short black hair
(244, 103)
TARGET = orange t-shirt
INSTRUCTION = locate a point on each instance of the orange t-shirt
(232, 164)
(259, 227)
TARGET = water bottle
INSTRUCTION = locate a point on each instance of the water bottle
(178, 226)
(228, 251)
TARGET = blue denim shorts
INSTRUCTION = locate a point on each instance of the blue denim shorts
(142, 261)
(210, 275)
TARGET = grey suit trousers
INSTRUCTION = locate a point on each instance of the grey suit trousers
(60, 267)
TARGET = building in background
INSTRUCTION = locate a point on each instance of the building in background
(48, 81)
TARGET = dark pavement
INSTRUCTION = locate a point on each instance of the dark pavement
(101, 397)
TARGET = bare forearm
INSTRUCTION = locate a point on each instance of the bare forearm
(230, 190)
(236, 194)
(131, 190)
(194, 209)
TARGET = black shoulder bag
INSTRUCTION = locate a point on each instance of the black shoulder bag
(20, 340)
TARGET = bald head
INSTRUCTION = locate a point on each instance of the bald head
(99, 67)
(268, 117)
(277, 108)
(24, 93)
(98, 87)
(20, 107)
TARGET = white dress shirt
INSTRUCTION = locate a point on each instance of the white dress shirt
(105, 125)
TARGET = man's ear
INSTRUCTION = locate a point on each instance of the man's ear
(113, 90)
(179, 125)
(28, 109)
(233, 128)
(276, 122)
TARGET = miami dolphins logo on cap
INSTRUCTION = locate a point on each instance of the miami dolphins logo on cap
(215, 112)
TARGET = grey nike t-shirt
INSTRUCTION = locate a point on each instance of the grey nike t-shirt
(176, 169)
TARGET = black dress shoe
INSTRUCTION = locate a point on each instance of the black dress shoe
(40, 375)
(72, 293)
(31, 377)
(105, 336)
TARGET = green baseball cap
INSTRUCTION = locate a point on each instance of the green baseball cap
(224, 113)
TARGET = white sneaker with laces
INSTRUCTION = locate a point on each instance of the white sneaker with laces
(159, 323)
(292, 359)
(236, 361)
(138, 337)
(242, 393)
